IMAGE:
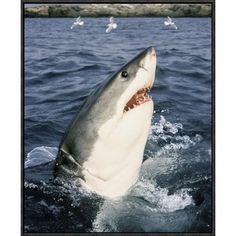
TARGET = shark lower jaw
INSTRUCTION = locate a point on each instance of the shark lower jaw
(138, 99)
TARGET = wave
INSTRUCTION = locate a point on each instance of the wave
(178, 71)
(40, 155)
(193, 58)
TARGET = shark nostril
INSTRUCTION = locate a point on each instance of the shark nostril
(142, 66)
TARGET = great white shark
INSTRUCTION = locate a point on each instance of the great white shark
(104, 144)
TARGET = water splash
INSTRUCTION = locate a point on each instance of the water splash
(164, 126)
(168, 138)
(146, 204)
(160, 198)
(30, 185)
(40, 155)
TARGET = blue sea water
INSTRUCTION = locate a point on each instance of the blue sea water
(62, 66)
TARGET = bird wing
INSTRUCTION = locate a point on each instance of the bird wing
(108, 30)
(111, 19)
(78, 19)
(169, 19)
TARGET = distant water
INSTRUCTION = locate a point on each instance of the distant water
(62, 66)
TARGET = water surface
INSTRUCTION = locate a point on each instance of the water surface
(62, 66)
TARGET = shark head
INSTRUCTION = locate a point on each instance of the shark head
(125, 101)
(108, 136)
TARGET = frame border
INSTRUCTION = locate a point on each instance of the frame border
(22, 20)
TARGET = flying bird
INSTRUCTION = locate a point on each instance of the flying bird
(112, 25)
(78, 22)
(169, 22)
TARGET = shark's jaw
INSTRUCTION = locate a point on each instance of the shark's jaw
(140, 97)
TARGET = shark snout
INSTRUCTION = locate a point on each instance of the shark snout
(148, 64)
(153, 52)
(150, 52)
(148, 55)
(148, 60)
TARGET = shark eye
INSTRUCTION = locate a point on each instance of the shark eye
(124, 74)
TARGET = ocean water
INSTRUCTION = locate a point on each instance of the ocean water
(62, 66)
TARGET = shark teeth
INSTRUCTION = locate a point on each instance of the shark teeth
(137, 99)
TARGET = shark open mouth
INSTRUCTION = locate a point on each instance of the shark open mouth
(140, 97)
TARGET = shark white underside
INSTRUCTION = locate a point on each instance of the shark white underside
(118, 167)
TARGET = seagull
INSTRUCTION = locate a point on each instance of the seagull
(78, 21)
(111, 25)
(170, 23)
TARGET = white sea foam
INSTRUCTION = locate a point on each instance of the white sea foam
(30, 185)
(170, 134)
(160, 197)
(164, 126)
(40, 155)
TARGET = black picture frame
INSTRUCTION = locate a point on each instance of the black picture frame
(212, 2)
